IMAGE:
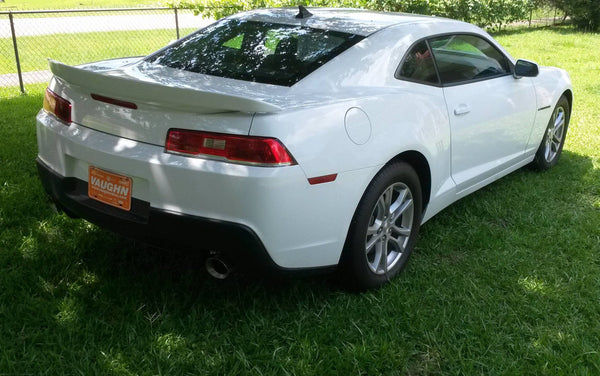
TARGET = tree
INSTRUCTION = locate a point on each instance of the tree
(495, 13)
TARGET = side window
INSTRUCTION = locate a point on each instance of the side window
(461, 58)
(418, 65)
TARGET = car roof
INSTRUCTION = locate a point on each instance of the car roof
(354, 21)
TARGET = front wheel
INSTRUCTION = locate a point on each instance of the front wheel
(384, 228)
(554, 139)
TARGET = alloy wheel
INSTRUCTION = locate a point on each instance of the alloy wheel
(389, 228)
(554, 134)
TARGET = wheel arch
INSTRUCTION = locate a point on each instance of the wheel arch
(349, 268)
(569, 95)
(421, 166)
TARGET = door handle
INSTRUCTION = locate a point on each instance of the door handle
(463, 109)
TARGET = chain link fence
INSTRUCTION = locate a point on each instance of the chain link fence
(29, 38)
(543, 16)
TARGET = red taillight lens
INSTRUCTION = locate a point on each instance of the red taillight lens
(116, 102)
(58, 106)
(322, 179)
(243, 149)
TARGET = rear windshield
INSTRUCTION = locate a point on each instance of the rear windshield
(255, 51)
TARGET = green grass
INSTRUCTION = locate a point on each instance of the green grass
(35, 51)
(504, 282)
(73, 4)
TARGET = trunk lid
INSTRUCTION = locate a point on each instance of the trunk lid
(164, 98)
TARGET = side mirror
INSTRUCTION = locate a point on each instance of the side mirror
(525, 68)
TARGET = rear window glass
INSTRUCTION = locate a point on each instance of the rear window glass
(255, 51)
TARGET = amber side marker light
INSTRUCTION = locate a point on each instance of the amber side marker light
(57, 105)
(263, 151)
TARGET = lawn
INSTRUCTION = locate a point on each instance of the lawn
(504, 282)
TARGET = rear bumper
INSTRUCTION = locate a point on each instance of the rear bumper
(158, 227)
(297, 224)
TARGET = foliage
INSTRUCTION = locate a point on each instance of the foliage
(481, 12)
(495, 13)
(584, 13)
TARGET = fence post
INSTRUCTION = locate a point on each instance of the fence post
(176, 22)
(14, 39)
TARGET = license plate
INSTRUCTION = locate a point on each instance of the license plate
(109, 188)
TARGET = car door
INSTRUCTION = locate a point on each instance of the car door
(491, 113)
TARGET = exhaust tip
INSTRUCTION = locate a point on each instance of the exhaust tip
(217, 267)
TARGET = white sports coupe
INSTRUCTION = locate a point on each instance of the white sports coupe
(297, 139)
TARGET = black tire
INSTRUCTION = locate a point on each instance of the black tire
(360, 268)
(553, 141)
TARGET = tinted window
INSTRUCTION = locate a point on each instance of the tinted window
(462, 58)
(418, 65)
(256, 51)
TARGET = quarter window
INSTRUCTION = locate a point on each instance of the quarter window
(461, 58)
(418, 65)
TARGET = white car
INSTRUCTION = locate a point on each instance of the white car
(297, 139)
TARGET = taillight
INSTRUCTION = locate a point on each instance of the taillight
(241, 149)
(116, 102)
(58, 106)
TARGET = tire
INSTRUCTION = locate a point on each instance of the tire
(374, 233)
(553, 141)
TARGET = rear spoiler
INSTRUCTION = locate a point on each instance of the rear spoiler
(121, 86)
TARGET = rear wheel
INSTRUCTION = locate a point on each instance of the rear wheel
(384, 228)
(552, 144)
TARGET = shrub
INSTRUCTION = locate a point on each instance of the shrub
(494, 13)
(584, 13)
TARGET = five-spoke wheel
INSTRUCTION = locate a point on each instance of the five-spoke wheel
(552, 144)
(389, 228)
(384, 228)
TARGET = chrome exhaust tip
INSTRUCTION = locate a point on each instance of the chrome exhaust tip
(217, 267)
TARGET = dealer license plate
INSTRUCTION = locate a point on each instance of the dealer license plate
(109, 188)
